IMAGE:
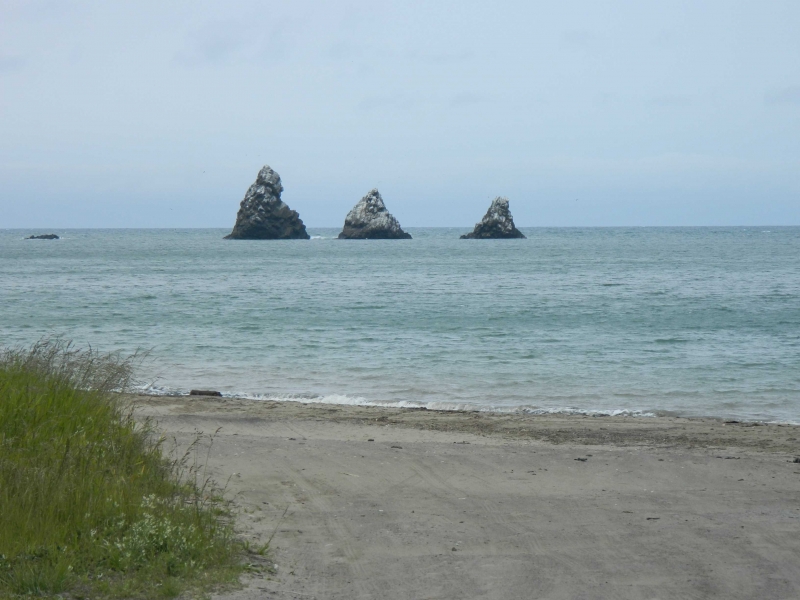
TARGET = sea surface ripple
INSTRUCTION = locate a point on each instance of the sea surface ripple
(688, 321)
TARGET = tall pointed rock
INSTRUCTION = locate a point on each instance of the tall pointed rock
(263, 215)
(369, 220)
(496, 223)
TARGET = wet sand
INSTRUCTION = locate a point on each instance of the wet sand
(474, 505)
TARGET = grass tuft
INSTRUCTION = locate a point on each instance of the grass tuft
(89, 505)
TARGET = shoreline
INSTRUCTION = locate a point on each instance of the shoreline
(440, 406)
(553, 427)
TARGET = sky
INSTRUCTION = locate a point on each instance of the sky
(582, 113)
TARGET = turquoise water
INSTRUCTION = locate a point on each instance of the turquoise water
(689, 321)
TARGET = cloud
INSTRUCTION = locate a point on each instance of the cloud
(579, 38)
(344, 50)
(214, 42)
(231, 41)
(664, 39)
(467, 99)
(440, 58)
(372, 103)
(788, 95)
(670, 100)
(11, 63)
(668, 164)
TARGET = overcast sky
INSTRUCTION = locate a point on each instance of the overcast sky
(160, 114)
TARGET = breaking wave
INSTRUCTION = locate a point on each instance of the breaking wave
(345, 400)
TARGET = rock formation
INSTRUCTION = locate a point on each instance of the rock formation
(369, 220)
(496, 223)
(46, 236)
(264, 216)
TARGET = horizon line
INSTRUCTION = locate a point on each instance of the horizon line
(39, 228)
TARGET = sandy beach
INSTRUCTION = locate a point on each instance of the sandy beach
(390, 503)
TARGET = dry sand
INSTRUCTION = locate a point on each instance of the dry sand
(472, 505)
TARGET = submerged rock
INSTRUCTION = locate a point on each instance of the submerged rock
(496, 223)
(369, 220)
(264, 216)
(46, 236)
(205, 393)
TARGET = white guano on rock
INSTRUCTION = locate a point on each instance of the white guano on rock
(263, 215)
(369, 220)
(497, 223)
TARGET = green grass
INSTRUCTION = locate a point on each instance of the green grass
(89, 505)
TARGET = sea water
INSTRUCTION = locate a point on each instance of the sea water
(687, 321)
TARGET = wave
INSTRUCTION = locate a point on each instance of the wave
(344, 400)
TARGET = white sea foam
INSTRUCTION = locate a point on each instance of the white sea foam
(345, 400)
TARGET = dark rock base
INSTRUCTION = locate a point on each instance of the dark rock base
(488, 234)
(355, 234)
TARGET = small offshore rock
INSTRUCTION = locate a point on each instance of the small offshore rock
(497, 223)
(46, 236)
(205, 393)
(369, 220)
(264, 216)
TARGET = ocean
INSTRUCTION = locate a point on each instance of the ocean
(701, 321)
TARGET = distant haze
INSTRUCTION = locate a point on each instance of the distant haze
(160, 114)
